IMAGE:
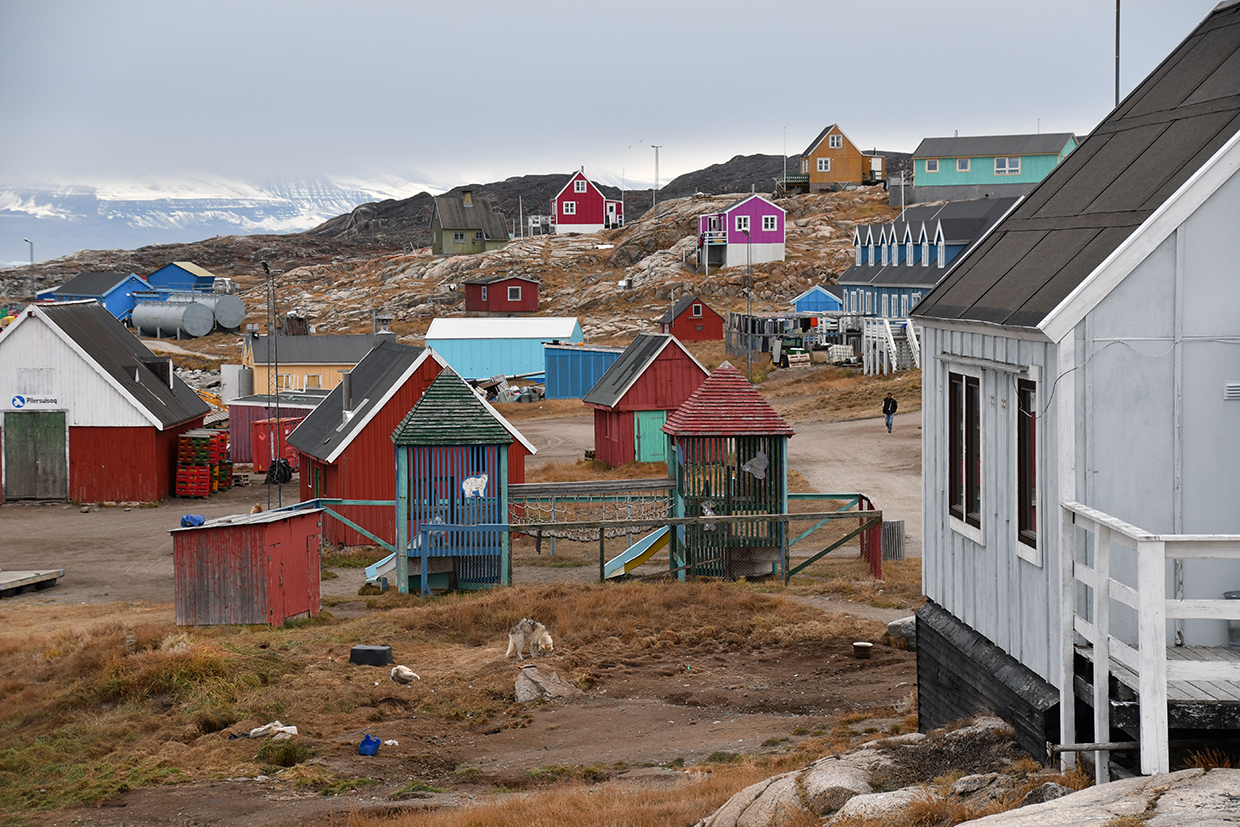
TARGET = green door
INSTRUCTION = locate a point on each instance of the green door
(35, 464)
(651, 442)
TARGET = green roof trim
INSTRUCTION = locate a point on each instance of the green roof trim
(450, 413)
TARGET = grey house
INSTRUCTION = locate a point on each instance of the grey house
(465, 223)
(1081, 421)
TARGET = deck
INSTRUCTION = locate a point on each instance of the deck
(19, 582)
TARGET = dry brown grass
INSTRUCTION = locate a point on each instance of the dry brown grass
(546, 409)
(830, 395)
(588, 469)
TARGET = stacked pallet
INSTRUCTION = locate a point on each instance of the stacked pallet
(202, 463)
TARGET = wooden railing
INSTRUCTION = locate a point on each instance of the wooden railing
(1148, 659)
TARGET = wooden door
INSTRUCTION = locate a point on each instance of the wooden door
(35, 459)
(651, 442)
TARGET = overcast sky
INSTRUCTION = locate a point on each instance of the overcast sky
(447, 93)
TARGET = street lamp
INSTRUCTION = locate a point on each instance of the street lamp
(654, 193)
(31, 243)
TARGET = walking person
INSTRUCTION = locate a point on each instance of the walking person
(889, 410)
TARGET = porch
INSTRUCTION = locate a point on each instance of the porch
(1148, 689)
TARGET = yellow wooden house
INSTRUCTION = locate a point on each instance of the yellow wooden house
(305, 362)
(833, 161)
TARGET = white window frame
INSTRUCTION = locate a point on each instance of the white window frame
(869, 303)
(883, 253)
(742, 223)
(835, 142)
(904, 305)
(514, 292)
(568, 207)
(579, 186)
(916, 298)
(857, 261)
(284, 382)
(318, 380)
(484, 292)
(962, 165)
(886, 315)
(975, 533)
(769, 224)
(925, 252)
(697, 311)
(1028, 553)
(1011, 165)
(908, 252)
(941, 253)
(932, 165)
(458, 236)
(824, 164)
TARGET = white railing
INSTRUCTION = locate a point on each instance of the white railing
(910, 332)
(1148, 659)
(714, 237)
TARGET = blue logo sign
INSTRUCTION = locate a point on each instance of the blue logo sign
(19, 401)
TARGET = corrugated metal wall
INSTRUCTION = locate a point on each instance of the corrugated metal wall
(483, 358)
(571, 372)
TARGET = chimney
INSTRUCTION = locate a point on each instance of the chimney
(468, 197)
(346, 386)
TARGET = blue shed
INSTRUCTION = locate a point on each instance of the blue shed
(181, 276)
(573, 370)
(113, 290)
(479, 348)
(818, 299)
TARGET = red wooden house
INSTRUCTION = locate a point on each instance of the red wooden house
(88, 414)
(691, 320)
(631, 401)
(501, 295)
(346, 446)
(581, 207)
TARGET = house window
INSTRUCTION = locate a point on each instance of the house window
(857, 252)
(908, 252)
(768, 223)
(869, 304)
(942, 253)
(1007, 166)
(925, 253)
(569, 207)
(484, 292)
(916, 298)
(579, 186)
(459, 236)
(697, 311)
(824, 164)
(1027, 462)
(835, 141)
(804, 165)
(964, 422)
(514, 293)
(885, 313)
(884, 254)
(742, 224)
(314, 380)
(904, 306)
(932, 165)
(962, 165)
(477, 235)
(284, 381)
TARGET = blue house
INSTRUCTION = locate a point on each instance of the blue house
(820, 298)
(479, 348)
(895, 264)
(573, 369)
(115, 291)
(181, 277)
(994, 166)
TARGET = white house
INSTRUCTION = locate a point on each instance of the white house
(1081, 431)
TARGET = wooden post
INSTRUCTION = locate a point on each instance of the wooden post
(505, 570)
(403, 509)
(1102, 652)
(602, 557)
(1152, 655)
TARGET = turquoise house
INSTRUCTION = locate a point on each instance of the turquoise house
(479, 348)
(986, 166)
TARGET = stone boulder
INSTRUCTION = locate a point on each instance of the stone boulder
(534, 683)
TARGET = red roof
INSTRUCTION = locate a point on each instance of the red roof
(726, 405)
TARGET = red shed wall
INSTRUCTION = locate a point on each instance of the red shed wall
(664, 385)
(589, 205)
(685, 327)
(473, 298)
(497, 297)
(294, 558)
(614, 438)
(123, 464)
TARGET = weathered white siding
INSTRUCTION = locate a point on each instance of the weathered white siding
(35, 361)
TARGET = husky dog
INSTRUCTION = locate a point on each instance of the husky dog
(530, 631)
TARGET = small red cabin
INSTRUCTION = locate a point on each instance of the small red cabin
(249, 568)
(632, 400)
(501, 295)
(581, 207)
(691, 320)
(346, 445)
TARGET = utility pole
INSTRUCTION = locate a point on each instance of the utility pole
(1116, 54)
(31, 243)
(654, 194)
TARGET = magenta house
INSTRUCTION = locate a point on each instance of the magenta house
(749, 231)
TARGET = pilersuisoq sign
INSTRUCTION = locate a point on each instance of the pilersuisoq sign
(18, 402)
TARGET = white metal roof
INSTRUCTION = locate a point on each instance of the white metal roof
(529, 327)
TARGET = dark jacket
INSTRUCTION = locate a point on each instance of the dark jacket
(889, 405)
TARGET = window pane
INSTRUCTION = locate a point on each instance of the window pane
(1026, 462)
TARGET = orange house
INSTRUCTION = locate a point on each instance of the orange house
(832, 160)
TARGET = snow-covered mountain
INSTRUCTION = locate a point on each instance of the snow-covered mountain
(62, 220)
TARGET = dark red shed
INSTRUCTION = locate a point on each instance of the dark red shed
(631, 401)
(248, 568)
(346, 447)
(691, 320)
(502, 294)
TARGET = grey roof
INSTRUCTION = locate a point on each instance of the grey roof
(337, 349)
(122, 356)
(500, 277)
(1141, 154)
(454, 215)
(320, 434)
(963, 222)
(681, 305)
(305, 400)
(818, 140)
(1049, 143)
(91, 284)
(619, 377)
